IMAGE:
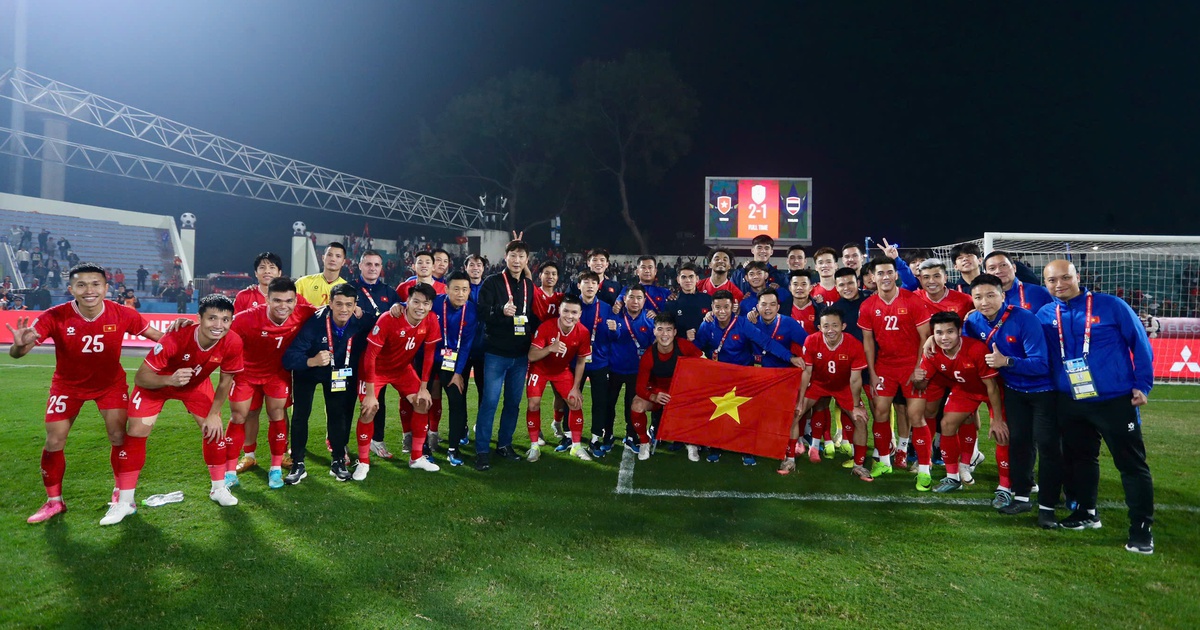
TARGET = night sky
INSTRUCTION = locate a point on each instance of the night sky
(919, 122)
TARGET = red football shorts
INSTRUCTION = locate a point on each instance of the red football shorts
(406, 383)
(535, 383)
(843, 398)
(278, 387)
(961, 403)
(893, 381)
(149, 402)
(65, 403)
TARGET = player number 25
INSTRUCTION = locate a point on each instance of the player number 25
(93, 344)
(58, 404)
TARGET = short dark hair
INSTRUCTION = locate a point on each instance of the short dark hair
(756, 264)
(853, 245)
(214, 302)
(797, 247)
(282, 284)
(804, 273)
(879, 260)
(599, 251)
(836, 312)
(946, 317)
(775, 294)
(763, 239)
(588, 274)
(965, 248)
(270, 257)
(720, 250)
(825, 250)
(370, 252)
(688, 266)
(920, 254)
(516, 245)
(988, 280)
(549, 263)
(647, 257)
(342, 289)
(439, 250)
(843, 272)
(635, 287)
(424, 290)
(723, 294)
(457, 275)
(338, 245)
(424, 252)
(571, 299)
(86, 268)
(666, 317)
(996, 253)
(474, 257)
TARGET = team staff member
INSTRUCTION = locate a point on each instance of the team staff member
(1103, 373)
(849, 302)
(630, 332)
(761, 249)
(966, 259)
(656, 296)
(457, 319)
(375, 297)
(1028, 295)
(595, 315)
(689, 305)
(598, 264)
(326, 353)
(506, 309)
(475, 266)
(1017, 348)
(315, 288)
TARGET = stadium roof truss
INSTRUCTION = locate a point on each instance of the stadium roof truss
(238, 170)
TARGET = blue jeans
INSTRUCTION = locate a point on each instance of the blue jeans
(499, 372)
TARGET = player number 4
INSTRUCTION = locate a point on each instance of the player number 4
(93, 344)
(137, 400)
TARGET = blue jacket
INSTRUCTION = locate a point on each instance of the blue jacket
(313, 338)
(689, 309)
(1036, 296)
(789, 332)
(477, 342)
(608, 292)
(776, 276)
(750, 301)
(656, 297)
(595, 318)
(374, 300)
(625, 350)
(1116, 332)
(450, 319)
(849, 311)
(739, 343)
(905, 275)
(1020, 338)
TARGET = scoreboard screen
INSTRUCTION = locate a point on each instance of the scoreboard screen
(740, 208)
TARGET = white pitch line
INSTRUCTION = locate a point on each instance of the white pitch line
(628, 462)
(20, 367)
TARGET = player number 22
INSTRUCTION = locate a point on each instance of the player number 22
(889, 322)
(93, 344)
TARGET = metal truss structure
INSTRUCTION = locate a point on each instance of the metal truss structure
(242, 171)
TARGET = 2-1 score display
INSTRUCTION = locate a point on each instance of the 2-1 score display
(741, 208)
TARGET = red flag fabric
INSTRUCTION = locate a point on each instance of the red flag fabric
(732, 407)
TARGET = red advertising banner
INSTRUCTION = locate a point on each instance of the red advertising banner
(161, 321)
(1176, 359)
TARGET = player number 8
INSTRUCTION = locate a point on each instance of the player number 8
(832, 367)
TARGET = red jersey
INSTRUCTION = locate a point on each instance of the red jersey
(394, 342)
(828, 296)
(545, 305)
(831, 367)
(965, 372)
(954, 301)
(406, 286)
(181, 349)
(706, 286)
(894, 326)
(87, 352)
(265, 341)
(578, 342)
(807, 317)
(248, 298)
(655, 369)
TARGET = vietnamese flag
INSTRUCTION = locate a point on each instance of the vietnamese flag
(732, 407)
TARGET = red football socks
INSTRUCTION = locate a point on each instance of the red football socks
(791, 449)
(214, 458)
(131, 460)
(1002, 466)
(860, 454)
(638, 418)
(277, 439)
(883, 439)
(967, 434)
(923, 442)
(575, 419)
(820, 422)
(533, 422)
(236, 436)
(420, 429)
(847, 429)
(951, 450)
(406, 413)
(362, 434)
(54, 465)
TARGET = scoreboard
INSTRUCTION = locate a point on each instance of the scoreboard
(740, 208)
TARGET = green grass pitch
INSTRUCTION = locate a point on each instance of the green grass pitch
(554, 544)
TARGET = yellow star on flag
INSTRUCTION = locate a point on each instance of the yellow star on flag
(727, 405)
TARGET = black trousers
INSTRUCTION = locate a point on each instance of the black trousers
(475, 366)
(380, 422)
(1033, 434)
(339, 415)
(615, 383)
(1118, 422)
(457, 402)
(600, 405)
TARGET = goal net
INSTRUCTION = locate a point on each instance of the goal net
(1159, 276)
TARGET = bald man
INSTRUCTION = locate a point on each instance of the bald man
(1101, 363)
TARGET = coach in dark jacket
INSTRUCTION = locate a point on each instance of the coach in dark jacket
(326, 353)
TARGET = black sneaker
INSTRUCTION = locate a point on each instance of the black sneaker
(337, 470)
(1016, 507)
(1047, 519)
(1140, 539)
(506, 452)
(1080, 519)
(295, 474)
(482, 461)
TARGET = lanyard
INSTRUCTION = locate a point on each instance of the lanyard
(778, 321)
(524, 298)
(1007, 312)
(1021, 293)
(371, 299)
(329, 335)
(1087, 328)
(728, 330)
(595, 318)
(462, 319)
(629, 327)
(650, 299)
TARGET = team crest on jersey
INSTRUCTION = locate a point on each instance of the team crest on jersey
(110, 328)
(402, 332)
(878, 312)
(324, 339)
(70, 330)
(819, 355)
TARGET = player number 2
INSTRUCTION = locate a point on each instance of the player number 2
(58, 404)
(889, 322)
(93, 344)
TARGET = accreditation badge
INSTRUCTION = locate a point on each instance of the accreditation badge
(449, 359)
(519, 322)
(338, 378)
(1080, 376)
